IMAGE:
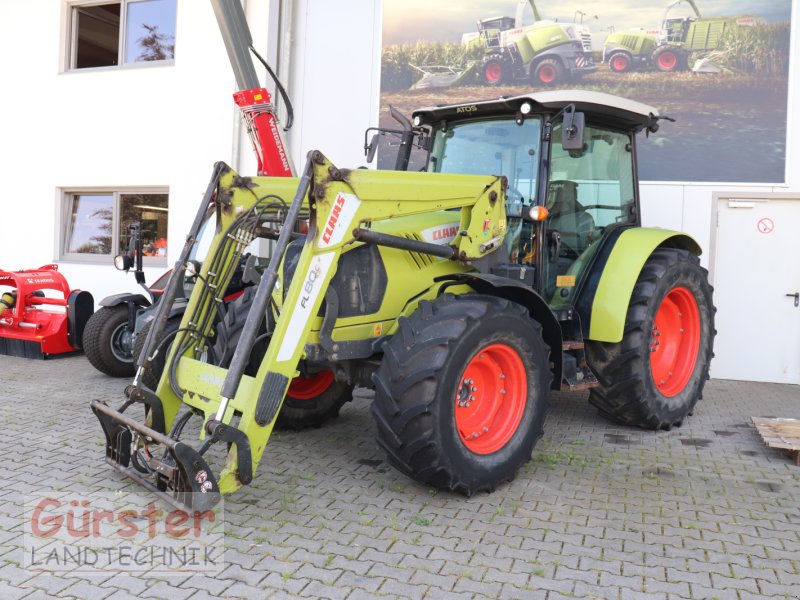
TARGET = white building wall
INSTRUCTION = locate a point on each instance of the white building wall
(145, 125)
(335, 77)
(692, 207)
(166, 125)
(151, 125)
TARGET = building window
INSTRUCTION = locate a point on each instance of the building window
(97, 225)
(109, 34)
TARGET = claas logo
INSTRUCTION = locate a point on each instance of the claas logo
(333, 219)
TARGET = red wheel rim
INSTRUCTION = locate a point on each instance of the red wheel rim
(675, 342)
(620, 63)
(308, 388)
(547, 74)
(493, 72)
(667, 60)
(490, 399)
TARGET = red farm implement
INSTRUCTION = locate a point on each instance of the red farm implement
(39, 314)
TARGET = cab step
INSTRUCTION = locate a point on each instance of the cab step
(577, 376)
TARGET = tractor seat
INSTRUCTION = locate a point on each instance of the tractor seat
(568, 216)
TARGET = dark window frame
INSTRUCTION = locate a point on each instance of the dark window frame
(74, 9)
(68, 197)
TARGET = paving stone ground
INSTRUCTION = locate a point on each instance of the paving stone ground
(601, 511)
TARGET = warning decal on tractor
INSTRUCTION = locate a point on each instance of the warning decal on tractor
(565, 281)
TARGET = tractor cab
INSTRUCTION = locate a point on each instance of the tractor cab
(569, 160)
(675, 30)
(490, 29)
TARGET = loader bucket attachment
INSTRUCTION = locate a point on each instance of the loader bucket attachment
(182, 477)
(151, 452)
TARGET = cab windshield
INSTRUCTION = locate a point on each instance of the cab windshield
(491, 147)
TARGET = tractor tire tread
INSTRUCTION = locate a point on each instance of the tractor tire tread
(152, 376)
(295, 415)
(625, 392)
(97, 338)
(408, 381)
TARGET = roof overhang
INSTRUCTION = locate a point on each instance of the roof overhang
(600, 108)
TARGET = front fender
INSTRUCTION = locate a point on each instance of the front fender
(631, 250)
(125, 298)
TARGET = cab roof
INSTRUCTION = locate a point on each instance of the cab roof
(600, 108)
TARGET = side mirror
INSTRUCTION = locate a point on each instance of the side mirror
(372, 147)
(572, 131)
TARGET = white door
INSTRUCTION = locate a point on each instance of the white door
(757, 291)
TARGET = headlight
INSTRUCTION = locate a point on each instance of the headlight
(123, 262)
(193, 268)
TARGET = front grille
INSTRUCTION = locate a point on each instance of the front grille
(418, 259)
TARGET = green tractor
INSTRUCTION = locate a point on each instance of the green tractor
(462, 296)
(544, 54)
(670, 48)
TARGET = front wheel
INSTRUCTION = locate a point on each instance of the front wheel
(619, 62)
(311, 400)
(494, 71)
(107, 341)
(152, 376)
(549, 71)
(461, 393)
(654, 377)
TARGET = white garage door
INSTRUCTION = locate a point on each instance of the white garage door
(757, 283)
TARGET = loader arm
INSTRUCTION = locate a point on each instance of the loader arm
(521, 4)
(240, 409)
(676, 3)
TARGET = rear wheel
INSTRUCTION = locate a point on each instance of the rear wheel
(619, 62)
(668, 59)
(107, 341)
(548, 71)
(461, 393)
(654, 377)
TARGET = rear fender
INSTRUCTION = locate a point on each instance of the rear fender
(620, 272)
(509, 289)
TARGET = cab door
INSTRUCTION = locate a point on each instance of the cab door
(588, 194)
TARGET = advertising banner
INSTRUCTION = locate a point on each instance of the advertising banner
(719, 68)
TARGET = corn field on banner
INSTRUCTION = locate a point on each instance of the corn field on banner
(718, 67)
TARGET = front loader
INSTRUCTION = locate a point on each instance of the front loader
(517, 264)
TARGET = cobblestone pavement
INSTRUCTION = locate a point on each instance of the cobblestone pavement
(704, 511)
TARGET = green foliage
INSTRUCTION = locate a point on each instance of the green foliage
(760, 50)
(398, 74)
(422, 521)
